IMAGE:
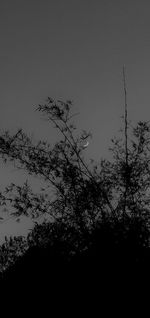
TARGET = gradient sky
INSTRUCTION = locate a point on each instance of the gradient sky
(73, 50)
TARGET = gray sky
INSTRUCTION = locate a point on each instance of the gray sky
(73, 50)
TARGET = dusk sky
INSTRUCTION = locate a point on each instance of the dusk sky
(73, 50)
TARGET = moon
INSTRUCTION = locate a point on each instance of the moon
(86, 145)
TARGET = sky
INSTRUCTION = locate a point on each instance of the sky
(72, 50)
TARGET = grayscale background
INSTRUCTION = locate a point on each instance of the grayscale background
(72, 50)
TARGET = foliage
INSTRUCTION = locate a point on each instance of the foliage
(94, 208)
(62, 167)
(11, 250)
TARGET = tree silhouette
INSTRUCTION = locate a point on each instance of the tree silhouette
(100, 212)
(62, 166)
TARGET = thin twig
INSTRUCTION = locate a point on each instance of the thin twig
(126, 137)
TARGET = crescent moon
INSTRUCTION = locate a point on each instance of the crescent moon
(86, 145)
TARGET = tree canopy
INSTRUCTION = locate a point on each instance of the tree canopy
(94, 207)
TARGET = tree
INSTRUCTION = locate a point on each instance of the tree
(62, 166)
(11, 250)
(94, 208)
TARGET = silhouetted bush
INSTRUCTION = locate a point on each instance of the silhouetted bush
(100, 215)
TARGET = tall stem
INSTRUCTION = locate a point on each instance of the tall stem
(126, 137)
(126, 116)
